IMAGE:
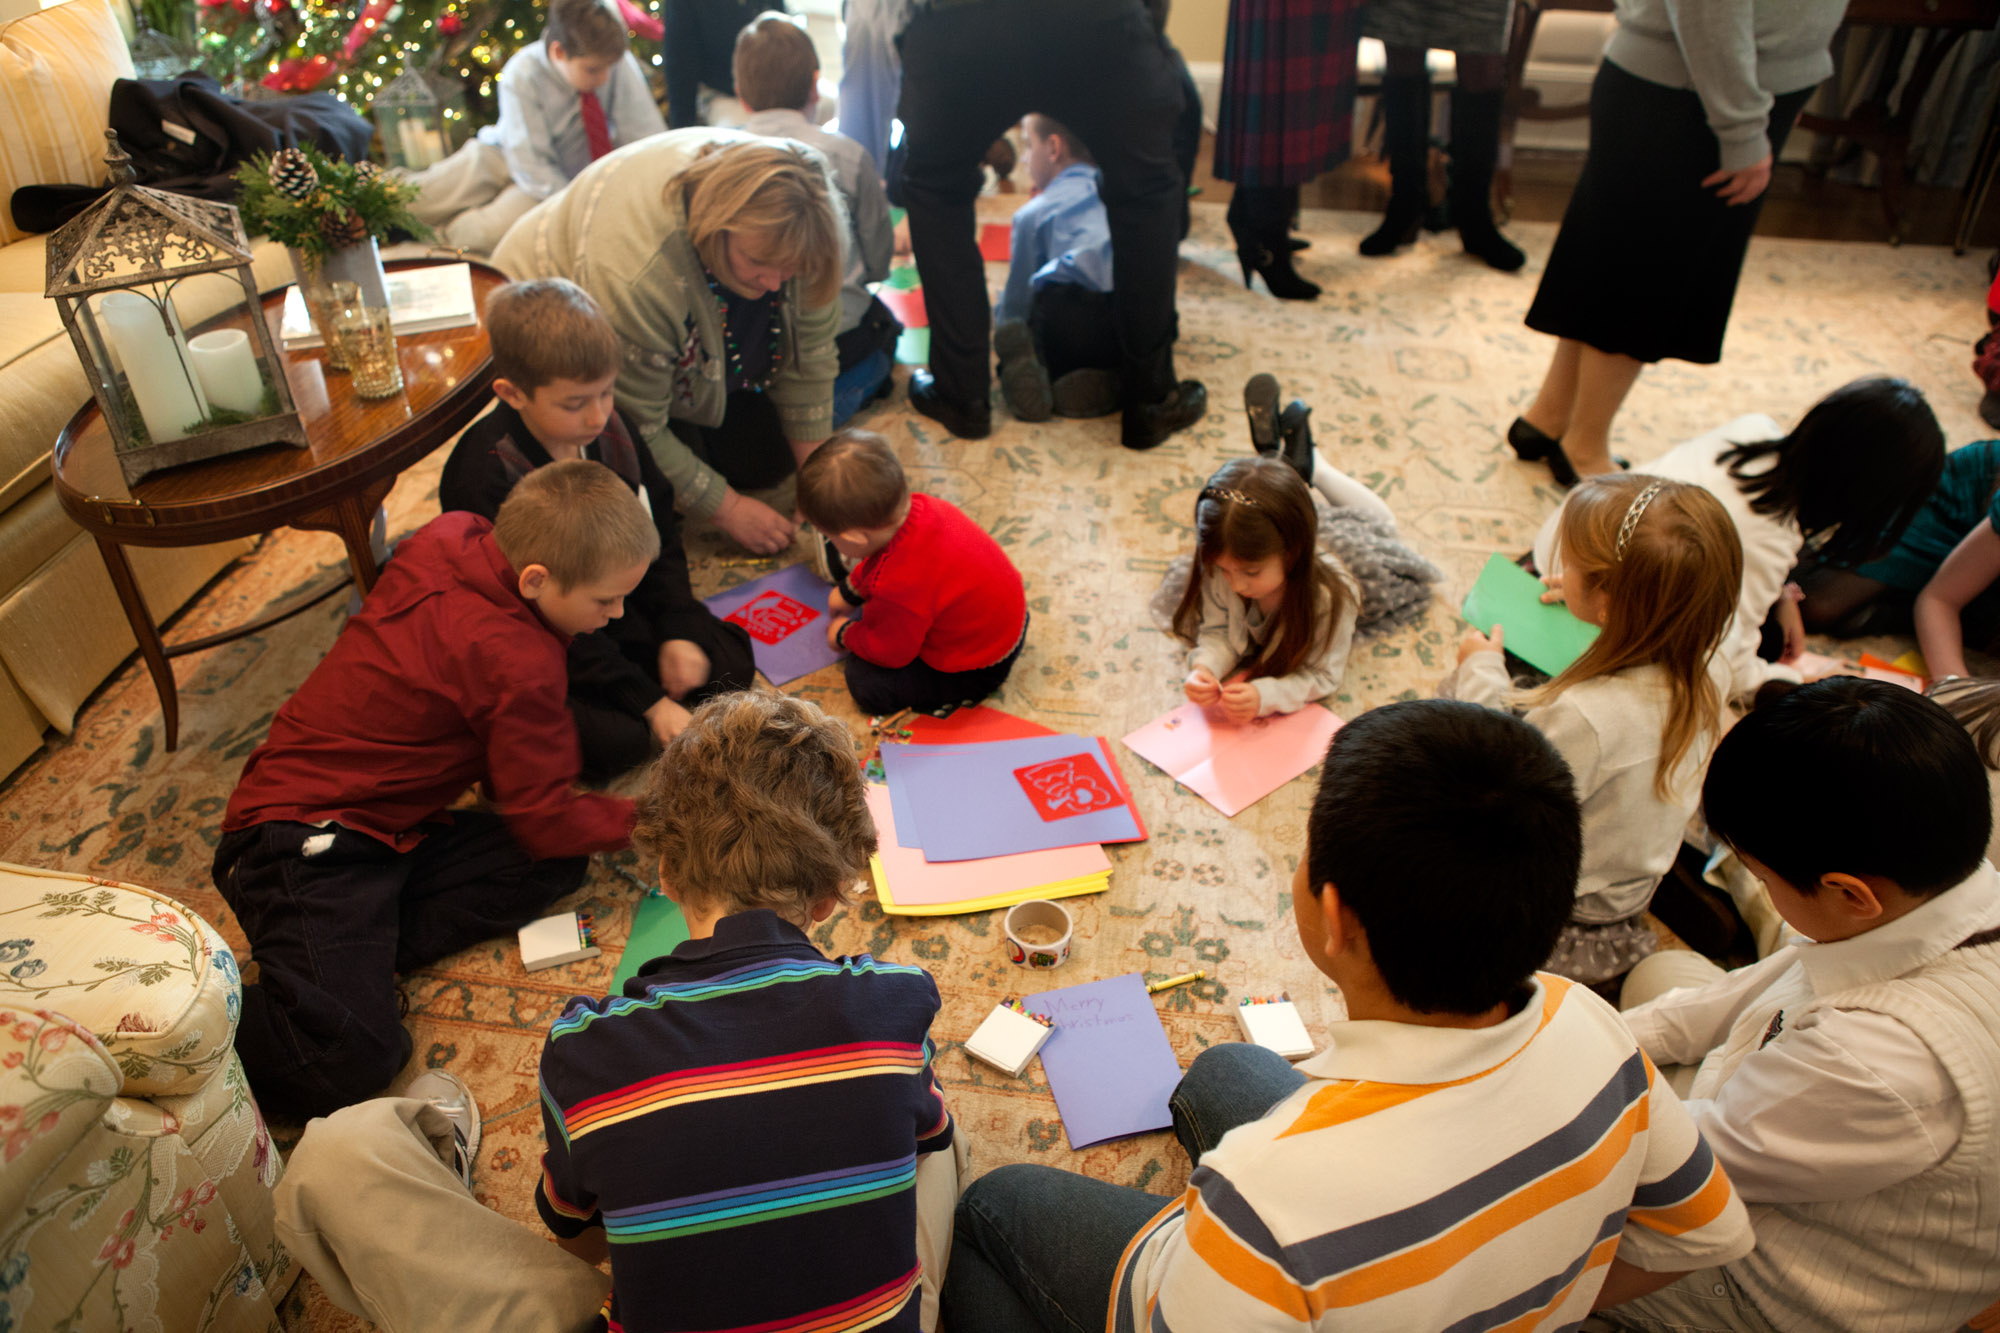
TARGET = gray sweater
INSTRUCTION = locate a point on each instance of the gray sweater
(1737, 55)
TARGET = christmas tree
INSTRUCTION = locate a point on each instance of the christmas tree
(354, 50)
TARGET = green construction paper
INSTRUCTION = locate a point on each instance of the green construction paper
(1545, 635)
(914, 347)
(896, 216)
(657, 927)
(903, 278)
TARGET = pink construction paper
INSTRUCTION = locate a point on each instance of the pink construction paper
(1234, 765)
(920, 883)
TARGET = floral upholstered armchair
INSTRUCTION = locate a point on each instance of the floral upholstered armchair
(135, 1170)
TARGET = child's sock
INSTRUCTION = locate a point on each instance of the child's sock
(1344, 491)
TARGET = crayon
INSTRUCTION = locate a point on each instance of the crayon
(1155, 987)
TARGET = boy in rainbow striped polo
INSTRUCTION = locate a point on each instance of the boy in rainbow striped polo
(752, 1131)
(1480, 1146)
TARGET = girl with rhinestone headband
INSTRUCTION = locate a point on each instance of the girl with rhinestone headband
(1270, 616)
(1656, 565)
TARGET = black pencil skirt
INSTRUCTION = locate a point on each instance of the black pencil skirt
(1647, 260)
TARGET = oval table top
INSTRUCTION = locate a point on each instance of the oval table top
(351, 441)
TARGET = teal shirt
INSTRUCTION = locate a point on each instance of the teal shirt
(1964, 496)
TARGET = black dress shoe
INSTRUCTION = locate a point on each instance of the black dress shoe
(1260, 404)
(1148, 425)
(964, 422)
(1532, 445)
(1024, 380)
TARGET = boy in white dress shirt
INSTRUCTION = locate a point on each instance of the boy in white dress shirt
(565, 101)
(1850, 1085)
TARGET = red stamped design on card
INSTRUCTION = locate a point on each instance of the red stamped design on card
(771, 616)
(1065, 788)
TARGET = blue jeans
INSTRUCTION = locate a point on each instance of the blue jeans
(1036, 1248)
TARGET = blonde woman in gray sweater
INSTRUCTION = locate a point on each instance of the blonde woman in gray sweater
(1688, 113)
(717, 257)
(1656, 565)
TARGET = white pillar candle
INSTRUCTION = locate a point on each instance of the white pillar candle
(155, 369)
(227, 369)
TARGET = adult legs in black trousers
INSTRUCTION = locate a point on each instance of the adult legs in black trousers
(333, 915)
(970, 70)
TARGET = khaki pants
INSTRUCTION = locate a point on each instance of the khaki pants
(470, 199)
(370, 1209)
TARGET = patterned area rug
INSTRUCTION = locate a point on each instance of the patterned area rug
(1414, 365)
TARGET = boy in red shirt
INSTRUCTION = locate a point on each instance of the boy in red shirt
(339, 856)
(938, 614)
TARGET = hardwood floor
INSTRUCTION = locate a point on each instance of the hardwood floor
(1801, 204)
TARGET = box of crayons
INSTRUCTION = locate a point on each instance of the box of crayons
(566, 937)
(1273, 1021)
(1009, 1037)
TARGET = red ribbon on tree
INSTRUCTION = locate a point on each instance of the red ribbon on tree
(649, 26)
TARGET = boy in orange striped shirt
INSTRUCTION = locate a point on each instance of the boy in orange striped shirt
(1480, 1146)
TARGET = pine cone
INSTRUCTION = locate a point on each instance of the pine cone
(292, 175)
(343, 227)
(367, 173)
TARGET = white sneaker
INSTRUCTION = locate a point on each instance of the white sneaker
(450, 1095)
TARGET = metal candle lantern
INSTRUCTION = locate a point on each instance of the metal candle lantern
(113, 272)
(421, 118)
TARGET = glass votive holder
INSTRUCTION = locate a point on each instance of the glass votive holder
(366, 343)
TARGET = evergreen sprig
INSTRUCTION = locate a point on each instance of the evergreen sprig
(380, 201)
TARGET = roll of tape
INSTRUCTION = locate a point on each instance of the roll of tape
(1039, 915)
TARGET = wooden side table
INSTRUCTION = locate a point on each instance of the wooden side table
(355, 450)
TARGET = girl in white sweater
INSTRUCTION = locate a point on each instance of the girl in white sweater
(1656, 565)
(1269, 616)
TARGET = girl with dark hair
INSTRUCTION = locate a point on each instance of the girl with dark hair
(1269, 616)
(1942, 576)
(1845, 482)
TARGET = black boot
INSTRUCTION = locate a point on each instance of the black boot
(1406, 142)
(1475, 147)
(1295, 428)
(1259, 219)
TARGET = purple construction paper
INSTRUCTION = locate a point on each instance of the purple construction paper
(1108, 1064)
(964, 801)
(800, 652)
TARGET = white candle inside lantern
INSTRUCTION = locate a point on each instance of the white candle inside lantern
(155, 365)
(227, 369)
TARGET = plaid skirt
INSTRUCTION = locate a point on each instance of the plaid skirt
(1287, 111)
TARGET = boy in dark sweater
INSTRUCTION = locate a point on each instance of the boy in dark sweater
(555, 362)
(934, 614)
(340, 855)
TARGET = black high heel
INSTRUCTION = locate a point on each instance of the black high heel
(1277, 272)
(1533, 445)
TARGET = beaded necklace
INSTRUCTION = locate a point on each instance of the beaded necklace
(723, 298)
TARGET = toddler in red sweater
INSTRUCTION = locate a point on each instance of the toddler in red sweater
(934, 614)
(341, 855)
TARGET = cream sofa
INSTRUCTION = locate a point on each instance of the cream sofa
(62, 631)
(135, 1171)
